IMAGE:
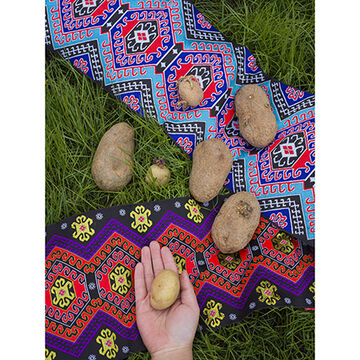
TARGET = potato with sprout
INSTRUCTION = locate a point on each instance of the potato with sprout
(158, 173)
(190, 91)
(236, 222)
(257, 122)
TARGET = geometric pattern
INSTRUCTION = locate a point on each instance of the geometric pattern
(89, 289)
(136, 50)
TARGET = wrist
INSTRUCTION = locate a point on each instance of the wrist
(175, 353)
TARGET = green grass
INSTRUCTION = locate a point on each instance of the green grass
(280, 34)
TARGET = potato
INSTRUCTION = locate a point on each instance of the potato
(190, 91)
(158, 173)
(236, 222)
(257, 123)
(164, 289)
(212, 162)
(112, 166)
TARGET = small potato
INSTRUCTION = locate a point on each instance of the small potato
(236, 222)
(164, 289)
(190, 91)
(257, 123)
(212, 162)
(113, 160)
(158, 173)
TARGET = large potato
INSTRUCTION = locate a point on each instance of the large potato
(112, 166)
(164, 289)
(236, 222)
(257, 123)
(212, 162)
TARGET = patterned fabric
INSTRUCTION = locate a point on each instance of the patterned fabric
(138, 49)
(90, 261)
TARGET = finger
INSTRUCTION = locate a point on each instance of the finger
(188, 296)
(156, 259)
(148, 270)
(168, 259)
(140, 286)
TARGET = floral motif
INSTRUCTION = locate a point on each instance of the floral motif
(107, 340)
(92, 286)
(99, 216)
(125, 349)
(92, 357)
(62, 292)
(213, 314)
(122, 212)
(252, 305)
(141, 221)
(180, 262)
(312, 289)
(177, 204)
(157, 208)
(49, 355)
(229, 261)
(268, 293)
(287, 300)
(232, 317)
(63, 226)
(194, 211)
(282, 242)
(82, 227)
(120, 280)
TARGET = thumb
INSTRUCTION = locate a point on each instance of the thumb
(187, 295)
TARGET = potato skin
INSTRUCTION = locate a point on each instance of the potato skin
(190, 91)
(257, 123)
(113, 160)
(164, 289)
(212, 162)
(162, 175)
(236, 222)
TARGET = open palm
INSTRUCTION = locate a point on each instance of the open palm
(173, 328)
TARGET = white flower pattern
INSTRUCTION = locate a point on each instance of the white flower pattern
(122, 212)
(99, 216)
(92, 286)
(232, 317)
(63, 226)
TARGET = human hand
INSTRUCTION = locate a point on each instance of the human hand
(170, 331)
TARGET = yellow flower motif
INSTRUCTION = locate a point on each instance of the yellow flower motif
(83, 231)
(194, 211)
(230, 261)
(312, 289)
(268, 293)
(62, 293)
(120, 279)
(141, 222)
(213, 314)
(282, 242)
(49, 355)
(107, 340)
(180, 262)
